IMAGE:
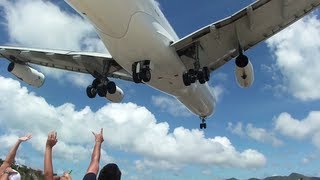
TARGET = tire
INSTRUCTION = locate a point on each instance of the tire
(102, 90)
(145, 75)
(186, 79)
(136, 78)
(192, 75)
(201, 77)
(96, 82)
(91, 92)
(111, 87)
(206, 73)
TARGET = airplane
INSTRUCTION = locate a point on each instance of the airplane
(144, 48)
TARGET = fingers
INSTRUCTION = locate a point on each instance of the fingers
(53, 135)
(29, 136)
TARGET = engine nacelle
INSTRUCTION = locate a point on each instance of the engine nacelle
(117, 96)
(27, 74)
(244, 71)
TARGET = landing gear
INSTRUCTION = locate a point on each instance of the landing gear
(101, 88)
(197, 73)
(192, 75)
(203, 125)
(141, 71)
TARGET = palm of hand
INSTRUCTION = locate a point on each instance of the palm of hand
(52, 142)
(25, 138)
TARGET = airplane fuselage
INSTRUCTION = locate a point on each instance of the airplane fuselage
(136, 30)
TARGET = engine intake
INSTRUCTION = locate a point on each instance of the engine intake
(27, 74)
(244, 71)
(115, 97)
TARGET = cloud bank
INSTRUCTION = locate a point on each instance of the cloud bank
(127, 127)
(297, 51)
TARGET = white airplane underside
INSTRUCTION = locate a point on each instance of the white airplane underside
(144, 48)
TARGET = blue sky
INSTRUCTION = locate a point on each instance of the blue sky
(272, 128)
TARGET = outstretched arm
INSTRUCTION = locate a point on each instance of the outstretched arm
(12, 154)
(48, 168)
(6, 173)
(95, 158)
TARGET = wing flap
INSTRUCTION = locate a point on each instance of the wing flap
(219, 42)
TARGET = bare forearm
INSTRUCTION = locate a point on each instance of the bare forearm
(95, 159)
(12, 154)
(4, 176)
(96, 152)
(48, 168)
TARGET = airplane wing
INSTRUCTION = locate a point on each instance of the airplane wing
(96, 64)
(219, 42)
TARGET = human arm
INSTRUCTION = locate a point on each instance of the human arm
(48, 168)
(12, 154)
(95, 157)
(6, 173)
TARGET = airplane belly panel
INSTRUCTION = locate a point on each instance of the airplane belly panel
(146, 39)
(110, 17)
(199, 99)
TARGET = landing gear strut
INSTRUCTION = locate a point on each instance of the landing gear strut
(141, 71)
(200, 74)
(203, 124)
(101, 88)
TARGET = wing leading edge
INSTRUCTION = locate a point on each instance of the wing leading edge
(219, 42)
(96, 64)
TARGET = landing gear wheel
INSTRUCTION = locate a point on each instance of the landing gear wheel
(186, 79)
(95, 83)
(206, 72)
(192, 75)
(136, 78)
(201, 77)
(111, 87)
(102, 90)
(145, 75)
(91, 92)
(203, 125)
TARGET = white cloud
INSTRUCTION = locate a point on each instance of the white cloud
(261, 135)
(296, 50)
(258, 134)
(171, 105)
(308, 127)
(218, 91)
(236, 129)
(8, 140)
(42, 24)
(127, 127)
(206, 172)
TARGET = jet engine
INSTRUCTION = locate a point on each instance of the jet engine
(244, 71)
(115, 97)
(27, 74)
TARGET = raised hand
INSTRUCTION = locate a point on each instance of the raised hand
(52, 139)
(99, 137)
(25, 138)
